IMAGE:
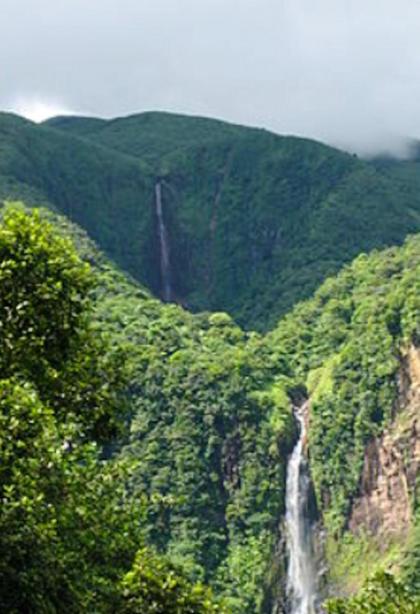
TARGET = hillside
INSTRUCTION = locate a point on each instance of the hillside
(254, 221)
(284, 212)
(241, 221)
(355, 349)
(70, 535)
(352, 350)
(211, 427)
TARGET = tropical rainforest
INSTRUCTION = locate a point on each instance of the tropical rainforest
(172, 289)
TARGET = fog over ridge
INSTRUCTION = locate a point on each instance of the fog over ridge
(345, 73)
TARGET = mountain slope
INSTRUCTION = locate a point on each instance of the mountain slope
(355, 348)
(105, 192)
(212, 426)
(149, 136)
(210, 431)
(254, 221)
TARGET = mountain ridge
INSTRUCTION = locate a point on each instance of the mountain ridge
(284, 212)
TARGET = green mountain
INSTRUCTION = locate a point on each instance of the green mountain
(252, 223)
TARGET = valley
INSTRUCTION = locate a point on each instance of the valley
(235, 275)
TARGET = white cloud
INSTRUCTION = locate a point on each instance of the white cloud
(342, 71)
(38, 111)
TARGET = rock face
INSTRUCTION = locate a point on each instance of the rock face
(391, 464)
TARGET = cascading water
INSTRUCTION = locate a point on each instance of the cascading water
(301, 575)
(165, 268)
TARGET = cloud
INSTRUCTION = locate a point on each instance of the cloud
(39, 110)
(343, 72)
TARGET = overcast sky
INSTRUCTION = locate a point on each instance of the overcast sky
(343, 71)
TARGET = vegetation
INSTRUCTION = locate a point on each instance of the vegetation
(383, 594)
(143, 448)
(200, 477)
(209, 435)
(346, 346)
(284, 213)
(69, 531)
(219, 516)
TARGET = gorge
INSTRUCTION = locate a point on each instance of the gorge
(301, 281)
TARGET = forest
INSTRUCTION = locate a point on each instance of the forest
(144, 445)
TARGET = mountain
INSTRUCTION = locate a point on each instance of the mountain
(212, 426)
(249, 222)
(213, 429)
(354, 347)
(254, 221)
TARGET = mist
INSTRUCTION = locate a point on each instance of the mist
(345, 73)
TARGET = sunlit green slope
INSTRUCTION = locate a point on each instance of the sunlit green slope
(209, 410)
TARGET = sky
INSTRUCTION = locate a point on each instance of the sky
(346, 72)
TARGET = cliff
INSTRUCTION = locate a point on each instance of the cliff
(384, 507)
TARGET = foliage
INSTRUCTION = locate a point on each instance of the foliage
(45, 334)
(154, 585)
(383, 594)
(211, 424)
(346, 345)
(353, 558)
(69, 529)
(209, 430)
(255, 221)
(44, 289)
(208, 437)
(201, 475)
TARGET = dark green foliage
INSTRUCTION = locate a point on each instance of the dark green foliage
(211, 421)
(44, 330)
(154, 585)
(69, 530)
(383, 594)
(209, 435)
(208, 440)
(106, 193)
(255, 221)
(44, 289)
(148, 135)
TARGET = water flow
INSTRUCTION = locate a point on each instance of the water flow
(165, 268)
(301, 576)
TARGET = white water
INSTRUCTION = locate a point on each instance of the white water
(301, 575)
(165, 268)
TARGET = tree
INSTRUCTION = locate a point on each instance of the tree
(69, 530)
(382, 594)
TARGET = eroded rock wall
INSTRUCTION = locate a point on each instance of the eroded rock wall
(384, 506)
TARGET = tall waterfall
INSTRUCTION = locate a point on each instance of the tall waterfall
(301, 575)
(165, 268)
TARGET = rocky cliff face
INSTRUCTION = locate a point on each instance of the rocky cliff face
(384, 507)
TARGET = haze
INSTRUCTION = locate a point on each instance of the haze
(344, 72)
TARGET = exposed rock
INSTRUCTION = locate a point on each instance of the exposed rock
(275, 601)
(391, 464)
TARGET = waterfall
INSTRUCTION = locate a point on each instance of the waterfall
(165, 268)
(301, 575)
